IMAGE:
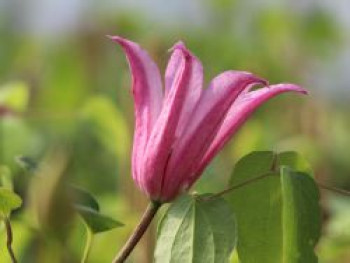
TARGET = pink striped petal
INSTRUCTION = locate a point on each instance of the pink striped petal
(148, 96)
(195, 82)
(205, 121)
(184, 83)
(239, 112)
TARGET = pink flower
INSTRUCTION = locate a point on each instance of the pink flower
(178, 131)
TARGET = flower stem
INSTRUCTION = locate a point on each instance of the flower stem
(87, 248)
(145, 221)
(9, 240)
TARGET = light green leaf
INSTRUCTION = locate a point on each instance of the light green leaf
(8, 202)
(6, 177)
(272, 213)
(196, 230)
(257, 207)
(14, 95)
(109, 124)
(95, 221)
(301, 217)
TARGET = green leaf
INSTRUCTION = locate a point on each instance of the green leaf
(196, 230)
(295, 161)
(84, 198)
(301, 217)
(273, 213)
(257, 207)
(8, 202)
(27, 163)
(95, 221)
(108, 124)
(14, 95)
(6, 177)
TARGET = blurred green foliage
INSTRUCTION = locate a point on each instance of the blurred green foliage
(73, 115)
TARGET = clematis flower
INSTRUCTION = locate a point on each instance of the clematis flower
(180, 129)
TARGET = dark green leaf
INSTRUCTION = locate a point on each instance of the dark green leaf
(27, 163)
(8, 201)
(294, 161)
(196, 230)
(84, 198)
(95, 221)
(301, 217)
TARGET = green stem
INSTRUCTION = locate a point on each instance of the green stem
(334, 189)
(141, 228)
(88, 244)
(258, 178)
(9, 240)
(234, 187)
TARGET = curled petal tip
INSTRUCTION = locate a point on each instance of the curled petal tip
(114, 38)
(256, 79)
(180, 45)
(259, 80)
(303, 91)
(296, 88)
(263, 82)
(121, 41)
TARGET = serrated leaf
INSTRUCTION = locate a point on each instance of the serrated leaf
(95, 221)
(194, 230)
(301, 217)
(84, 198)
(269, 212)
(8, 201)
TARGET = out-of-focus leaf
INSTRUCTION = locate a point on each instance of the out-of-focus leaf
(110, 125)
(20, 139)
(84, 198)
(196, 230)
(15, 96)
(95, 221)
(8, 201)
(66, 81)
(273, 213)
(301, 217)
(27, 163)
(5, 177)
(334, 245)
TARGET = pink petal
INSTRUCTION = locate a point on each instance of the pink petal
(239, 112)
(184, 78)
(205, 121)
(147, 92)
(195, 83)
